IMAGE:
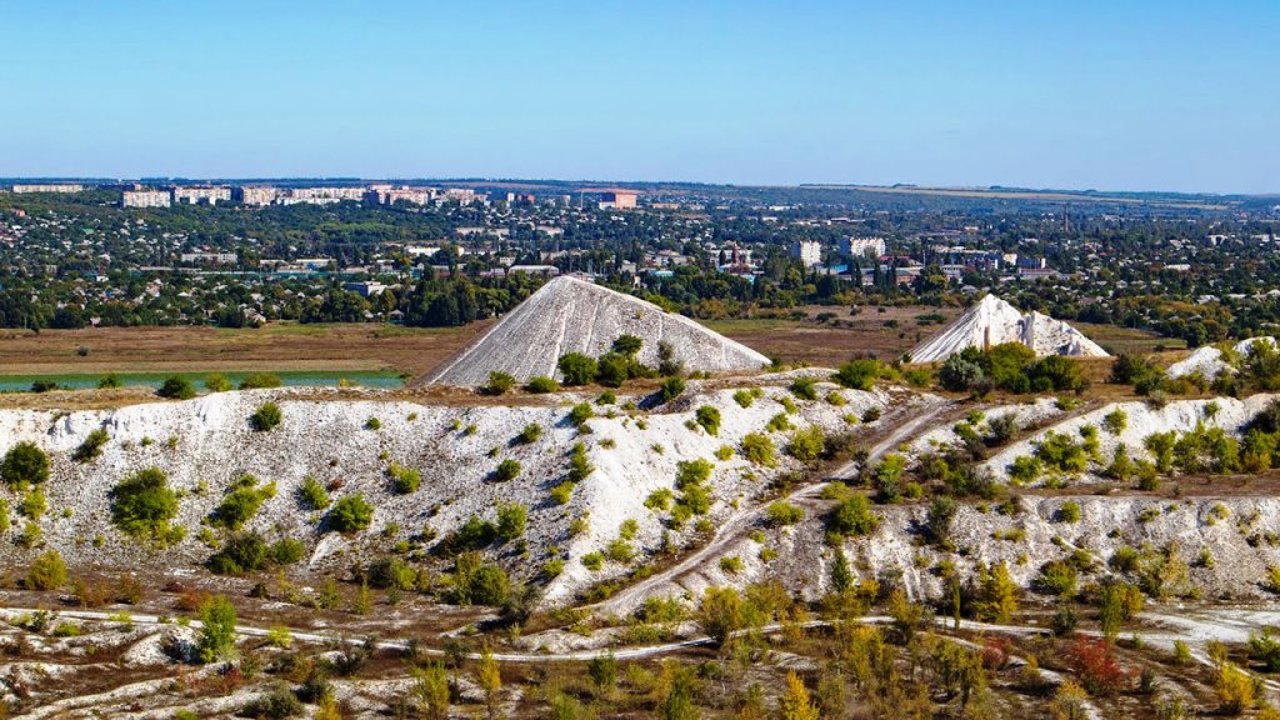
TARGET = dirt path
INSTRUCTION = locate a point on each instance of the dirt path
(734, 527)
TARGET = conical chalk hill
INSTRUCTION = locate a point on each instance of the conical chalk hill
(993, 321)
(570, 315)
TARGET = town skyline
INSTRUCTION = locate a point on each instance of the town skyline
(1168, 96)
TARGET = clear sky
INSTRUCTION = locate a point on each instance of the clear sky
(1121, 94)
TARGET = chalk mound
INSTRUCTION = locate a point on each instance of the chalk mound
(571, 315)
(1210, 362)
(993, 322)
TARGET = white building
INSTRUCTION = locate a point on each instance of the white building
(145, 198)
(388, 195)
(201, 194)
(211, 258)
(257, 195)
(55, 188)
(808, 251)
(862, 246)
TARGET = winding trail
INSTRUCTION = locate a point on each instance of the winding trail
(736, 525)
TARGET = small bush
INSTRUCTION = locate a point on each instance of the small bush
(853, 516)
(744, 398)
(541, 384)
(782, 513)
(142, 505)
(1069, 512)
(241, 503)
(500, 383)
(759, 449)
(671, 389)
(404, 480)
(91, 448)
(373, 423)
(581, 413)
(24, 465)
(709, 418)
(859, 374)
(312, 494)
(266, 417)
(47, 572)
(593, 561)
(260, 381)
(176, 387)
(805, 388)
(351, 514)
(530, 434)
(287, 551)
(578, 369)
(511, 521)
(806, 445)
(507, 470)
(216, 383)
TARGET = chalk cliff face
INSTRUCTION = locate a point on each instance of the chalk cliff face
(571, 315)
(993, 321)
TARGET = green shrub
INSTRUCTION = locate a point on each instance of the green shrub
(260, 381)
(312, 494)
(142, 505)
(759, 449)
(507, 470)
(500, 383)
(530, 434)
(474, 534)
(593, 561)
(541, 384)
(47, 572)
(1115, 421)
(805, 388)
(511, 521)
(780, 514)
(241, 553)
(860, 374)
(266, 417)
(853, 516)
(562, 493)
(709, 418)
(373, 423)
(91, 448)
(744, 398)
(216, 382)
(287, 551)
(671, 389)
(391, 572)
(1069, 512)
(404, 480)
(350, 514)
(1056, 578)
(580, 413)
(24, 465)
(176, 387)
(110, 381)
(217, 630)
(659, 500)
(577, 369)
(692, 472)
(778, 423)
(806, 445)
(33, 505)
(241, 503)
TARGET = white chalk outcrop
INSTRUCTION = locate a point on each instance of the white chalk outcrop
(570, 315)
(1210, 362)
(993, 321)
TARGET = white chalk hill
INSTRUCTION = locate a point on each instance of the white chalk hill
(571, 315)
(993, 321)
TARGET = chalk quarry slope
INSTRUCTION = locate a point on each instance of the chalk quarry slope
(993, 321)
(571, 315)
(205, 444)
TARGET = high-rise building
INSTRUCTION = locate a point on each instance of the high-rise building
(201, 194)
(617, 200)
(47, 188)
(257, 195)
(145, 198)
(862, 246)
(809, 252)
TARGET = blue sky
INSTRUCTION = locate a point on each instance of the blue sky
(1126, 94)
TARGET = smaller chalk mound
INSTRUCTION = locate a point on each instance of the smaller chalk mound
(993, 321)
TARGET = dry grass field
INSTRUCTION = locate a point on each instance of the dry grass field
(276, 348)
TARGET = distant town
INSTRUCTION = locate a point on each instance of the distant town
(76, 254)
